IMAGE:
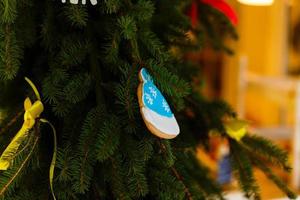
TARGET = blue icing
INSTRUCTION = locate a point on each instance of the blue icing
(152, 97)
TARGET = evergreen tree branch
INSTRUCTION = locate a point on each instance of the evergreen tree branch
(270, 174)
(82, 167)
(11, 122)
(8, 11)
(111, 6)
(136, 54)
(20, 168)
(266, 149)
(259, 157)
(242, 167)
(95, 70)
(108, 138)
(119, 188)
(124, 90)
(175, 172)
(64, 159)
(180, 178)
(77, 15)
(10, 53)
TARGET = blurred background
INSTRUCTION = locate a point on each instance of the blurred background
(261, 80)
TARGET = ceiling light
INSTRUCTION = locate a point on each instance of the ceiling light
(257, 2)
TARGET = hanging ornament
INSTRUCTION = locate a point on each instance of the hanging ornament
(154, 108)
(224, 164)
(93, 2)
(236, 129)
(31, 117)
(219, 5)
(224, 8)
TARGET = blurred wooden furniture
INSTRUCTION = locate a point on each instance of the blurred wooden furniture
(282, 131)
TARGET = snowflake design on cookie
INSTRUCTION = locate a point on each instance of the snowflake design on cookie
(166, 106)
(149, 98)
(93, 2)
(153, 92)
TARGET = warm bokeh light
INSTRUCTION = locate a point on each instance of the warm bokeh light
(257, 2)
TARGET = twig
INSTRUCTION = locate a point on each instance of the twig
(11, 122)
(177, 174)
(180, 178)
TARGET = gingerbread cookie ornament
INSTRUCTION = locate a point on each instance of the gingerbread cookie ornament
(155, 110)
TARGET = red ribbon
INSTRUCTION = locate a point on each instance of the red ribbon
(219, 5)
(224, 8)
(193, 13)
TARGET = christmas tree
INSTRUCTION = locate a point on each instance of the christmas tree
(85, 61)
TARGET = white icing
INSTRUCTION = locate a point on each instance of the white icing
(93, 2)
(74, 1)
(167, 125)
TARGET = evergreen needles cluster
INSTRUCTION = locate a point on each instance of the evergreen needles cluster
(86, 61)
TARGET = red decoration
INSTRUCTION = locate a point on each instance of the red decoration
(193, 13)
(219, 5)
(224, 8)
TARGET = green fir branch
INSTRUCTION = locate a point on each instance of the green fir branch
(146, 146)
(134, 166)
(63, 164)
(199, 178)
(167, 152)
(117, 179)
(82, 166)
(108, 138)
(78, 88)
(242, 168)
(128, 27)
(11, 122)
(10, 178)
(49, 29)
(110, 6)
(154, 46)
(164, 185)
(10, 53)
(143, 10)
(77, 15)
(273, 177)
(53, 89)
(8, 11)
(266, 149)
(73, 50)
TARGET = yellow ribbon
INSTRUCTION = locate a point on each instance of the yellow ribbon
(52, 166)
(236, 128)
(32, 113)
